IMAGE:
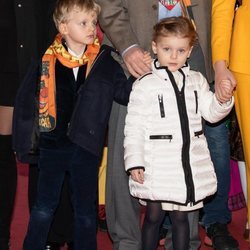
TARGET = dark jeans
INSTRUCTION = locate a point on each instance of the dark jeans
(61, 229)
(216, 207)
(83, 170)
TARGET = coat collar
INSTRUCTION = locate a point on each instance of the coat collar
(161, 71)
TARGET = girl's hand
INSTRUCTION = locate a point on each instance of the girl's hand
(222, 73)
(137, 175)
(228, 88)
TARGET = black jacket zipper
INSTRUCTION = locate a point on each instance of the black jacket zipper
(181, 104)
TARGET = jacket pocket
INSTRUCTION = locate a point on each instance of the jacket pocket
(161, 137)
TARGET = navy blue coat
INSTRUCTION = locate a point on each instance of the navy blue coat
(105, 83)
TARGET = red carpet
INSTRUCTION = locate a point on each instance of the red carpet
(20, 220)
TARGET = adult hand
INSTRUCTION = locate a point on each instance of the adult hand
(134, 60)
(223, 73)
(147, 59)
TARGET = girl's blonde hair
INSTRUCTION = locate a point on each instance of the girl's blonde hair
(64, 7)
(178, 26)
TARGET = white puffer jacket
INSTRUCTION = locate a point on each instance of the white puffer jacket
(164, 135)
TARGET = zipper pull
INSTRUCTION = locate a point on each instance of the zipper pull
(160, 98)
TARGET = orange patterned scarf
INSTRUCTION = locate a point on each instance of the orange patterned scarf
(47, 95)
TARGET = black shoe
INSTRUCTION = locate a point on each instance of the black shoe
(221, 238)
(103, 225)
(52, 246)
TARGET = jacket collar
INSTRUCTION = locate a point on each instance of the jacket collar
(161, 71)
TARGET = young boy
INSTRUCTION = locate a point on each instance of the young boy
(166, 152)
(77, 85)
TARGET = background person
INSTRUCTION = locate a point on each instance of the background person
(24, 34)
(231, 60)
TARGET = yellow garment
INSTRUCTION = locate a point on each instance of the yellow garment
(242, 104)
(102, 177)
(231, 42)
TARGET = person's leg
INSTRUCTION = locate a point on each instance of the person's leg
(243, 179)
(83, 182)
(242, 171)
(194, 242)
(168, 242)
(32, 184)
(180, 230)
(8, 176)
(122, 210)
(242, 103)
(51, 175)
(101, 191)
(216, 211)
(193, 220)
(166, 225)
(151, 225)
(61, 230)
(8, 181)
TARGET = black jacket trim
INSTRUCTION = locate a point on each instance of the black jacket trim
(147, 74)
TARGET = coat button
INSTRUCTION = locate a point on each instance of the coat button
(92, 132)
(154, 7)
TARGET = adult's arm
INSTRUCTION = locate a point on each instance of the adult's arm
(222, 25)
(115, 21)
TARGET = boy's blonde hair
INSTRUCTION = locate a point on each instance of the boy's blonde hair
(64, 7)
(178, 26)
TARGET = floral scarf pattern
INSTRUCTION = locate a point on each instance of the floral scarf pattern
(47, 85)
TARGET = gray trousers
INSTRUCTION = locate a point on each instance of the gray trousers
(122, 210)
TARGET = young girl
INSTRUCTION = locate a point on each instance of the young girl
(166, 151)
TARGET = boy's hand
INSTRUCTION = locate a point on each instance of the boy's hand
(137, 175)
